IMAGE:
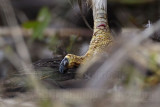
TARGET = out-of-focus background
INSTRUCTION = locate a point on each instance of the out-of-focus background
(62, 19)
(36, 34)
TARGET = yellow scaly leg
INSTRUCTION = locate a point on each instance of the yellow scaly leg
(101, 38)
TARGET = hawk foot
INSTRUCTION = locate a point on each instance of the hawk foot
(70, 61)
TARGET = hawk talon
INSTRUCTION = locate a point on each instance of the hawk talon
(70, 61)
(63, 65)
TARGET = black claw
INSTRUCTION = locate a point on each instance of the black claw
(63, 65)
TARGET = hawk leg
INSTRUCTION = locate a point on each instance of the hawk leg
(101, 39)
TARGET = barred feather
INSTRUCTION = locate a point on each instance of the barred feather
(99, 4)
(100, 14)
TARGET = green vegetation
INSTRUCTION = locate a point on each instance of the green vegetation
(38, 26)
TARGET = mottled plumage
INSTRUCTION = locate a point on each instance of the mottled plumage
(101, 39)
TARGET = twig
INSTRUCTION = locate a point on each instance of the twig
(62, 32)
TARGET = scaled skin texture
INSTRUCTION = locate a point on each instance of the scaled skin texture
(100, 40)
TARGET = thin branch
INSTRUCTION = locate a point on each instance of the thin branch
(62, 32)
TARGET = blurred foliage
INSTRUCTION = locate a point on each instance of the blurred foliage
(38, 26)
(153, 63)
(54, 43)
(132, 74)
(72, 41)
(131, 1)
(155, 69)
(45, 102)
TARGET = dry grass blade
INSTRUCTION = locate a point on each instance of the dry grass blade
(108, 69)
(49, 32)
(21, 48)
